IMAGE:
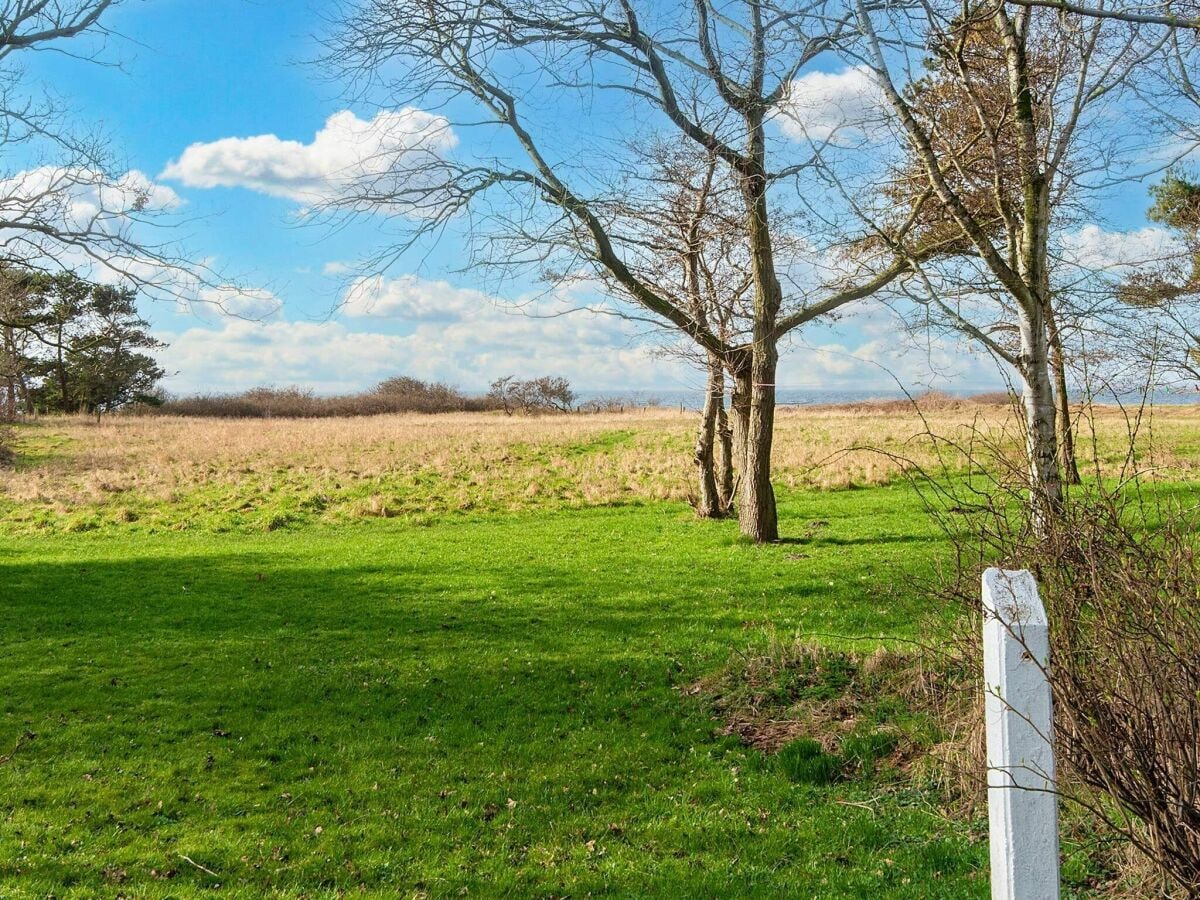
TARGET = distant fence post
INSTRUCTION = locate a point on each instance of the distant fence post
(1022, 804)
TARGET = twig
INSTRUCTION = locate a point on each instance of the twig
(188, 859)
(21, 742)
(867, 806)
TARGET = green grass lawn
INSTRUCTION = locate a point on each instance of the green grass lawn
(485, 705)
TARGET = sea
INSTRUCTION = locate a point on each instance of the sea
(693, 398)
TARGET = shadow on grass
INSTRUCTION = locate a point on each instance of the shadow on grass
(415, 709)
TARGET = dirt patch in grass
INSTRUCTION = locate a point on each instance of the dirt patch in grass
(902, 721)
(825, 714)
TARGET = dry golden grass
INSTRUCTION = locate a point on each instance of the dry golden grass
(181, 472)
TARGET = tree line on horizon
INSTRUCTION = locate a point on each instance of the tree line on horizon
(399, 394)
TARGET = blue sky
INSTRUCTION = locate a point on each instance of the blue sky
(199, 72)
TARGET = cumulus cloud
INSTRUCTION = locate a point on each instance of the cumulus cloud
(332, 357)
(425, 328)
(838, 107)
(411, 298)
(241, 303)
(1094, 247)
(345, 150)
(238, 354)
(434, 330)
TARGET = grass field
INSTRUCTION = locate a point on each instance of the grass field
(445, 697)
(261, 475)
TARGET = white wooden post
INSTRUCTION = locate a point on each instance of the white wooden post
(1022, 805)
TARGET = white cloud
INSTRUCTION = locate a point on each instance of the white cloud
(90, 222)
(832, 106)
(81, 202)
(241, 303)
(345, 150)
(871, 349)
(1094, 247)
(331, 357)
(460, 335)
(336, 267)
(74, 198)
(240, 354)
(467, 337)
(929, 362)
(412, 299)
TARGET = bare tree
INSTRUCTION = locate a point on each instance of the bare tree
(1167, 13)
(1006, 130)
(67, 205)
(532, 396)
(680, 205)
(701, 237)
(713, 75)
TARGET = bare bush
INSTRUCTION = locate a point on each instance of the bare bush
(290, 402)
(1119, 576)
(532, 396)
(1125, 638)
(414, 395)
(395, 395)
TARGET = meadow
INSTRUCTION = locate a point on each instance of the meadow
(166, 473)
(451, 655)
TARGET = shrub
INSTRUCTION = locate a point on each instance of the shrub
(291, 402)
(412, 395)
(995, 398)
(533, 396)
(1117, 570)
(395, 395)
(1125, 645)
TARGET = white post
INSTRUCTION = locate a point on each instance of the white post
(1022, 804)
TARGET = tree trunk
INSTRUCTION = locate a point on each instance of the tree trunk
(8, 355)
(1066, 431)
(708, 499)
(26, 401)
(1045, 481)
(756, 513)
(739, 404)
(725, 446)
(62, 375)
